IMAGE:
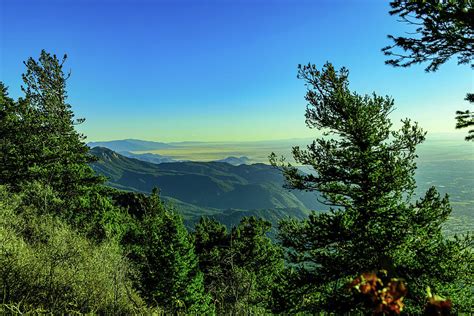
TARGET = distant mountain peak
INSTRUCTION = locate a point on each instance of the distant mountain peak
(236, 161)
(104, 153)
(101, 150)
(148, 157)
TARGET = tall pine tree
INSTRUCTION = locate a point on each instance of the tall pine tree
(38, 140)
(240, 267)
(163, 251)
(365, 173)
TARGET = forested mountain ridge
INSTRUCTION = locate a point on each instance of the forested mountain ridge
(148, 157)
(208, 188)
(243, 160)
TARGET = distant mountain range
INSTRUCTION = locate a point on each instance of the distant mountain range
(148, 157)
(236, 161)
(216, 189)
(127, 145)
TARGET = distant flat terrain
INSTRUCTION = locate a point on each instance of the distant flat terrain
(448, 165)
(257, 152)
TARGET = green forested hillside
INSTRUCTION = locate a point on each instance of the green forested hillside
(199, 188)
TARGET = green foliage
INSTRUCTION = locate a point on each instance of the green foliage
(98, 216)
(163, 251)
(46, 266)
(365, 174)
(444, 29)
(37, 136)
(240, 267)
(465, 119)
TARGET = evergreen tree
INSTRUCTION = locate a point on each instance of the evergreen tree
(164, 253)
(211, 241)
(366, 175)
(15, 145)
(38, 139)
(240, 267)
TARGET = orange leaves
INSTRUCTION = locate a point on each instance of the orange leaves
(383, 298)
(385, 295)
(392, 297)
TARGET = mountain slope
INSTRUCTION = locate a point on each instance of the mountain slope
(214, 189)
(205, 184)
(244, 160)
(148, 157)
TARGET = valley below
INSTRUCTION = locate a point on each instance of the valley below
(228, 181)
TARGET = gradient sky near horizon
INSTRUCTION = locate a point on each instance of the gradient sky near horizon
(217, 70)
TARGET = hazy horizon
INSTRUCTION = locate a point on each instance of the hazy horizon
(455, 135)
(435, 148)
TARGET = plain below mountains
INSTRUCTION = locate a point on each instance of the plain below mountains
(217, 189)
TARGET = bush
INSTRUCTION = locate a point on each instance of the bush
(46, 266)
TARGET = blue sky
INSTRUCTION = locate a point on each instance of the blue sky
(217, 70)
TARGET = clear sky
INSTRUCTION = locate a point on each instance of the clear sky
(222, 70)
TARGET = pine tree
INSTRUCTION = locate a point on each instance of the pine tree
(240, 267)
(444, 29)
(365, 173)
(465, 119)
(16, 147)
(41, 143)
(164, 253)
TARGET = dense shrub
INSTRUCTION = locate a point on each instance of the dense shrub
(240, 266)
(47, 266)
